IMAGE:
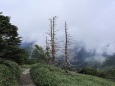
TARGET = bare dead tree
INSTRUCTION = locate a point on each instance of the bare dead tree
(53, 45)
(52, 35)
(67, 63)
(66, 46)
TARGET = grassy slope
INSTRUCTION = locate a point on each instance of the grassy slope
(47, 75)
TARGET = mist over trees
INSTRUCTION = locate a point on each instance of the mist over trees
(80, 57)
(90, 58)
(58, 60)
(12, 48)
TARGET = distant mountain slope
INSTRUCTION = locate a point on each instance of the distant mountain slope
(28, 46)
(81, 56)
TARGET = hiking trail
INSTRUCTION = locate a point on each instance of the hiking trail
(25, 78)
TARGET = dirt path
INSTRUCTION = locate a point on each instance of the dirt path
(25, 79)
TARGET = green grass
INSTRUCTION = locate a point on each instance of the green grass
(9, 73)
(48, 75)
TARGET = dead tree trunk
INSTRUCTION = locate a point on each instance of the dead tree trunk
(66, 48)
(52, 33)
(53, 43)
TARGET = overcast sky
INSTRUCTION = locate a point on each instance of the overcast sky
(89, 21)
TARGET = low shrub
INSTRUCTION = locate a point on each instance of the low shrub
(109, 74)
(9, 73)
(89, 71)
(45, 75)
(48, 75)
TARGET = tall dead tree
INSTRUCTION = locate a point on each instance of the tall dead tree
(52, 34)
(67, 42)
(66, 47)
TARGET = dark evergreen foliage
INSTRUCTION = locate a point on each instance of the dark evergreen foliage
(10, 41)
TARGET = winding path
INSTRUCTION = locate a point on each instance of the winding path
(25, 79)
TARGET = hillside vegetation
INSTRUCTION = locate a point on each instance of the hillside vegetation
(48, 75)
(9, 73)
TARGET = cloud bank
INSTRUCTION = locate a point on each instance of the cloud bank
(89, 21)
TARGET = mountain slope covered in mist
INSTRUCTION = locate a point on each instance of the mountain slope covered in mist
(82, 57)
